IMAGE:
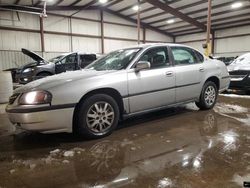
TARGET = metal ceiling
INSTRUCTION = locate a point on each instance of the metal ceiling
(189, 15)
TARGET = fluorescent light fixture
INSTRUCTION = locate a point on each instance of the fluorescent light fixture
(135, 8)
(237, 5)
(170, 21)
(103, 1)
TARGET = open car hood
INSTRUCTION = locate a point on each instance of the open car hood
(32, 55)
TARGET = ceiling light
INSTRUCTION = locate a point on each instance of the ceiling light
(135, 8)
(237, 5)
(170, 21)
(103, 1)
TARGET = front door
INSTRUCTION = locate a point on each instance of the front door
(68, 63)
(154, 87)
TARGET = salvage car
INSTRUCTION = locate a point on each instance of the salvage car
(41, 68)
(122, 84)
(239, 71)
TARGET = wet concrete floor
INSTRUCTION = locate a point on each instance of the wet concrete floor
(179, 147)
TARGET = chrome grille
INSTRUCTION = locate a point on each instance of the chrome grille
(238, 76)
(13, 98)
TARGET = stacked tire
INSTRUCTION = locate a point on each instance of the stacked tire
(6, 86)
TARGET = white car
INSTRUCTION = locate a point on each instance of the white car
(239, 71)
(124, 83)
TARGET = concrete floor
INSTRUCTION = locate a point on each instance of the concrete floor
(178, 147)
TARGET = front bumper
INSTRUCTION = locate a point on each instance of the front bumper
(24, 78)
(47, 121)
(240, 82)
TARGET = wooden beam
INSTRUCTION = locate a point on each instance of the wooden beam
(144, 35)
(179, 8)
(102, 32)
(134, 21)
(17, 2)
(142, 11)
(231, 22)
(129, 7)
(113, 3)
(38, 2)
(177, 13)
(42, 34)
(85, 6)
(213, 20)
(58, 2)
(138, 24)
(75, 2)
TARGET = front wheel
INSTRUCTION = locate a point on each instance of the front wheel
(208, 96)
(97, 116)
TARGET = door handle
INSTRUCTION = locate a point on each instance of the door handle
(169, 74)
(201, 69)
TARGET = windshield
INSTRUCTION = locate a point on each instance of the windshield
(116, 60)
(55, 59)
(244, 59)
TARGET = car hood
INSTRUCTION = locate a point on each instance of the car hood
(59, 79)
(32, 55)
(238, 66)
(29, 65)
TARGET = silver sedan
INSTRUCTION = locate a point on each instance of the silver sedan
(124, 83)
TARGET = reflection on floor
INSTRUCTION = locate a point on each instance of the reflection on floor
(178, 147)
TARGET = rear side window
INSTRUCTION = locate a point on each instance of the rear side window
(200, 57)
(184, 56)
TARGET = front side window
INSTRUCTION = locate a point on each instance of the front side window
(69, 59)
(116, 60)
(157, 57)
(183, 56)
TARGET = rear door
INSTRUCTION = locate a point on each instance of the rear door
(153, 87)
(86, 59)
(189, 71)
(68, 63)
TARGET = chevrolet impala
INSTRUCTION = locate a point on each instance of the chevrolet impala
(124, 83)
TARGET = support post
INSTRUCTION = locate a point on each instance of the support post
(71, 34)
(102, 32)
(42, 34)
(144, 35)
(213, 42)
(208, 42)
(138, 23)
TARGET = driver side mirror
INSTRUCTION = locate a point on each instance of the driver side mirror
(141, 65)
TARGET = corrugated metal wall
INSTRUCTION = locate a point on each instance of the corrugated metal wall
(228, 42)
(13, 59)
(11, 42)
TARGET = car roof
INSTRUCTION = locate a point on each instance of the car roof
(147, 45)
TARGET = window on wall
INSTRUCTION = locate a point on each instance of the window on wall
(184, 56)
(157, 57)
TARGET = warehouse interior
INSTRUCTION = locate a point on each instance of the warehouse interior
(174, 147)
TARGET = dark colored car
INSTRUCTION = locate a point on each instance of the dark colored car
(239, 71)
(41, 68)
(226, 60)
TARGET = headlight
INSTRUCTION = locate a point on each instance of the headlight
(35, 97)
(28, 70)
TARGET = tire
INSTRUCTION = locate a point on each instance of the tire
(207, 101)
(90, 119)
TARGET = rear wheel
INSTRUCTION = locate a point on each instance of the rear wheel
(208, 96)
(97, 116)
